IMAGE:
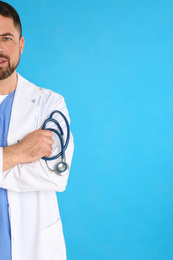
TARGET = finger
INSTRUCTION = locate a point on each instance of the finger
(48, 150)
(48, 140)
(47, 133)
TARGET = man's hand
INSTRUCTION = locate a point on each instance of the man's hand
(31, 148)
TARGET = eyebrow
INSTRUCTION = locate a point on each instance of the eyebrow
(6, 34)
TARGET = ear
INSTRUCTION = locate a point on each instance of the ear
(22, 43)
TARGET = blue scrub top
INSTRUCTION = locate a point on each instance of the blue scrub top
(5, 230)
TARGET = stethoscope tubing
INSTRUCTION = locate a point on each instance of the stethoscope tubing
(67, 125)
(62, 147)
(54, 121)
(60, 135)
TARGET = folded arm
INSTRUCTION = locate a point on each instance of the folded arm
(23, 171)
(21, 166)
(30, 149)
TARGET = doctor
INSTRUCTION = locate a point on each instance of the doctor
(30, 224)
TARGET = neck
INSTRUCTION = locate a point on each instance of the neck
(9, 84)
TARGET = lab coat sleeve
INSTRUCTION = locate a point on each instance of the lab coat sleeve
(36, 176)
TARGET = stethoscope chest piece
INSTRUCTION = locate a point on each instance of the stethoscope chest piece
(62, 168)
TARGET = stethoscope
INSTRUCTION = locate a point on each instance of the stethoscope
(62, 167)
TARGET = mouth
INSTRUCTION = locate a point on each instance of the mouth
(2, 62)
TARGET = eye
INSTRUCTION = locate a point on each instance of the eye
(7, 39)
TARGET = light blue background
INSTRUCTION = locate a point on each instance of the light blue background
(112, 61)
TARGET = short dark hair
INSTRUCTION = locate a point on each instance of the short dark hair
(8, 11)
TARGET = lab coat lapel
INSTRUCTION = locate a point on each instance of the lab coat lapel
(24, 111)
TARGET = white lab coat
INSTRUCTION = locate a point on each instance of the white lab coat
(36, 227)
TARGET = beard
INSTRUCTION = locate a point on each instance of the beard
(9, 69)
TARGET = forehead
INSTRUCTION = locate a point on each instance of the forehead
(7, 26)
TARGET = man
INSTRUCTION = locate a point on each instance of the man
(30, 224)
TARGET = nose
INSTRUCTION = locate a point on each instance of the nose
(1, 47)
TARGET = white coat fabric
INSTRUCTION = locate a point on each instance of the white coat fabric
(36, 227)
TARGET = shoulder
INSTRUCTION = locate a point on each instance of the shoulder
(37, 93)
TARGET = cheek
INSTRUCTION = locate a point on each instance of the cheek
(16, 51)
(14, 55)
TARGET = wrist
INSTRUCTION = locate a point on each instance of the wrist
(11, 156)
